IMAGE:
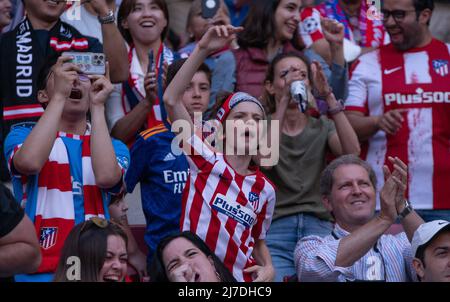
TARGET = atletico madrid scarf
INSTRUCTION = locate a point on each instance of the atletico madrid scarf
(55, 211)
(22, 59)
(372, 32)
(132, 95)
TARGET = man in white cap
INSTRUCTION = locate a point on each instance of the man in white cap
(431, 250)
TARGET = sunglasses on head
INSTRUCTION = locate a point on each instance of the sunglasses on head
(99, 222)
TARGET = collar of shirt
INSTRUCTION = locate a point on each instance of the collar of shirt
(339, 231)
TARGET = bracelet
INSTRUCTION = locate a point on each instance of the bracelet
(108, 19)
(325, 96)
(339, 108)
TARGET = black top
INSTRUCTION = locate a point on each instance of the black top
(10, 211)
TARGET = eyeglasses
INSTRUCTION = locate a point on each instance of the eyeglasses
(81, 76)
(397, 14)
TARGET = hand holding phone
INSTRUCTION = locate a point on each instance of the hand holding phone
(88, 62)
(151, 62)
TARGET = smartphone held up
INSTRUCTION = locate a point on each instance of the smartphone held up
(90, 63)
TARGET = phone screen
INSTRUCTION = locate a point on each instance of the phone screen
(209, 8)
(151, 66)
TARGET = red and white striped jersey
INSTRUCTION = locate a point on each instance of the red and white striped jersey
(227, 210)
(309, 26)
(417, 80)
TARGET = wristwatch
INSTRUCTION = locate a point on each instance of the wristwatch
(108, 18)
(407, 210)
(339, 108)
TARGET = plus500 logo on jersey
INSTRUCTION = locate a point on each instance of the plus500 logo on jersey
(420, 97)
(233, 209)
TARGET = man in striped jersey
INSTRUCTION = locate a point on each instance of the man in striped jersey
(399, 102)
(357, 249)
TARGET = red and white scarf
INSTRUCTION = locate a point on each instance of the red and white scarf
(55, 212)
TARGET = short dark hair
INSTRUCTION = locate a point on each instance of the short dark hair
(117, 198)
(421, 5)
(175, 67)
(158, 271)
(127, 6)
(44, 72)
(326, 179)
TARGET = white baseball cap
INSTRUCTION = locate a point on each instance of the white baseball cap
(426, 232)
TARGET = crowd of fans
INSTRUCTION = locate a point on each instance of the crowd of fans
(272, 140)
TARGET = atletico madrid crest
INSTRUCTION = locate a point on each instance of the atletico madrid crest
(47, 239)
(440, 67)
(254, 199)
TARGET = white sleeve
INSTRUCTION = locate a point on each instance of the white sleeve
(114, 108)
(358, 85)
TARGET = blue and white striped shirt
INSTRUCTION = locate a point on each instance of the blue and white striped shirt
(390, 259)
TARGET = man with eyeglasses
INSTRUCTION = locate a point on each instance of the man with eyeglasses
(64, 166)
(357, 249)
(399, 105)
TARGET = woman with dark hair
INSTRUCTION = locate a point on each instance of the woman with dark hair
(304, 143)
(271, 28)
(144, 25)
(99, 248)
(185, 257)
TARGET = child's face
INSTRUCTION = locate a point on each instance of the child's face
(196, 96)
(246, 117)
(118, 211)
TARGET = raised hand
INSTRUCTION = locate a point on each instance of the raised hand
(183, 273)
(150, 85)
(65, 74)
(401, 173)
(217, 37)
(101, 88)
(99, 6)
(333, 31)
(319, 79)
(392, 193)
